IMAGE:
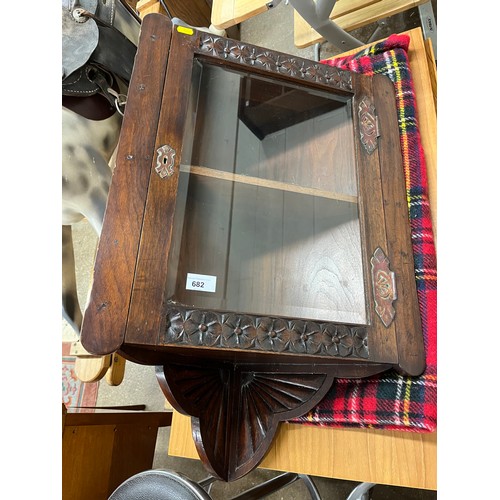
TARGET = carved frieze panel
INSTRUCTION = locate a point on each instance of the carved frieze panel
(288, 65)
(258, 333)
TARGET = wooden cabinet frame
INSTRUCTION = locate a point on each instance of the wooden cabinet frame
(238, 392)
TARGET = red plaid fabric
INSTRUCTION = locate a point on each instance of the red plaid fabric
(391, 401)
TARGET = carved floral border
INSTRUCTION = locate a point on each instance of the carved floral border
(258, 333)
(251, 55)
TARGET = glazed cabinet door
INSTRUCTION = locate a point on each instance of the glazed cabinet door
(269, 215)
(276, 205)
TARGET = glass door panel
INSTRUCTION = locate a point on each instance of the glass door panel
(266, 218)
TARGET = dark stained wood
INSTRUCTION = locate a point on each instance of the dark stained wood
(340, 367)
(266, 108)
(382, 342)
(105, 320)
(247, 332)
(147, 294)
(289, 224)
(236, 408)
(411, 354)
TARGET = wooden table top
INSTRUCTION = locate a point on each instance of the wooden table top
(227, 13)
(347, 14)
(397, 458)
(350, 16)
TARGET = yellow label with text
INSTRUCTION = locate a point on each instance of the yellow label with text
(186, 31)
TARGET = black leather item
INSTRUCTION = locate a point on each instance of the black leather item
(90, 79)
(159, 485)
(115, 52)
(95, 46)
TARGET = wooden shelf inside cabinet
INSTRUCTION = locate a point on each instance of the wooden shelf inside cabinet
(267, 183)
(253, 265)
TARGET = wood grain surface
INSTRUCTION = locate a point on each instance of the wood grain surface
(229, 13)
(109, 301)
(384, 457)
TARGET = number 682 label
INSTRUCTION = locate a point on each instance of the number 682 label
(201, 282)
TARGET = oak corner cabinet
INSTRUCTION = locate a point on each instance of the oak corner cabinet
(256, 242)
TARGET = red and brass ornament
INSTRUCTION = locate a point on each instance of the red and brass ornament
(384, 287)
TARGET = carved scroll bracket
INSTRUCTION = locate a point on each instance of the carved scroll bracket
(236, 409)
(384, 286)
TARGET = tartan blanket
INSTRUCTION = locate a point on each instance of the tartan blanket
(391, 401)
